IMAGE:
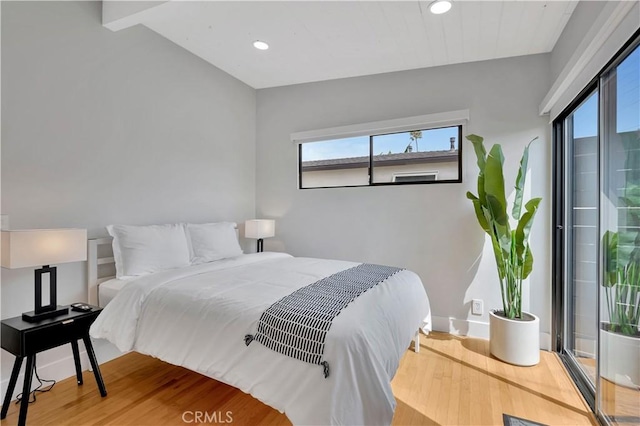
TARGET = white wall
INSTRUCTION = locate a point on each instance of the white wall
(101, 127)
(430, 229)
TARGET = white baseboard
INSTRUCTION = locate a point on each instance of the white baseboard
(477, 329)
(460, 327)
(61, 368)
(545, 341)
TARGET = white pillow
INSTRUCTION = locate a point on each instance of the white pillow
(142, 250)
(213, 241)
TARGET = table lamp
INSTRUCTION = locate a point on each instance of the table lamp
(259, 228)
(43, 247)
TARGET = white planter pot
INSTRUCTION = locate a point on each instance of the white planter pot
(620, 359)
(515, 341)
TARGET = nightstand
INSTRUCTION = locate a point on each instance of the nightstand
(25, 339)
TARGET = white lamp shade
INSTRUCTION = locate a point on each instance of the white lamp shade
(259, 228)
(38, 247)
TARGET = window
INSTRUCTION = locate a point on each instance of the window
(420, 155)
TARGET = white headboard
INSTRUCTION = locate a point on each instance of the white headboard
(96, 259)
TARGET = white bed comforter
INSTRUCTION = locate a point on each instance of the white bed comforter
(197, 317)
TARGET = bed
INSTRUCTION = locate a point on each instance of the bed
(199, 316)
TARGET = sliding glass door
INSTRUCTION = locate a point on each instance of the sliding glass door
(581, 207)
(597, 244)
(619, 355)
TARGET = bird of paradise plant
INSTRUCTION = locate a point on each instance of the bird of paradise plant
(510, 246)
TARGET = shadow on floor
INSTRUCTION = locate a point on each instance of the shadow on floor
(406, 415)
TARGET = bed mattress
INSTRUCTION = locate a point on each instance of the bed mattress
(108, 290)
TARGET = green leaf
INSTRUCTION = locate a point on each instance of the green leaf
(527, 265)
(478, 147)
(504, 236)
(494, 185)
(524, 225)
(520, 181)
(482, 196)
(498, 210)
(477, 206)
(481, 156)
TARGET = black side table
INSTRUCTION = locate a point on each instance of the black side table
(26, 339)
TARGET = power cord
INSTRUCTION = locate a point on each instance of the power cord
(38, 388)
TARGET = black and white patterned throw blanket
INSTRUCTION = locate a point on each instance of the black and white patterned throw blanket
(297, 324)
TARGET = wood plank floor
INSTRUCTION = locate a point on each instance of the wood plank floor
(452, 381)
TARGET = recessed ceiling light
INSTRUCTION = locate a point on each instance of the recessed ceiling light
(261, 45)
(439, 7)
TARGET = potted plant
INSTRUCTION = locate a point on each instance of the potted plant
(620, 335)
(514, 334)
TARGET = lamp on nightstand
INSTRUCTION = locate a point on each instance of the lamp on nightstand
(36, 247)
(259, 228)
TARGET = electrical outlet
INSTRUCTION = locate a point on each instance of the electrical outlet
(476, 307)
(4, 222)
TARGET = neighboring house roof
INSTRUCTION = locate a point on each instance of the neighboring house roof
(381, 160)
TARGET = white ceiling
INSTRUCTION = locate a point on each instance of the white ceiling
(323, 40)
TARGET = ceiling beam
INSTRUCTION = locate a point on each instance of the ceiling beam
(118, 15)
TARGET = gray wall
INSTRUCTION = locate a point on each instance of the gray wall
(430, 229)
(582, 18)
(101, 127)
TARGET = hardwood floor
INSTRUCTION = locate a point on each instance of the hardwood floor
(452, 381)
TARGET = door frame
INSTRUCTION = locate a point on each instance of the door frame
(558, 262)
(559, 257)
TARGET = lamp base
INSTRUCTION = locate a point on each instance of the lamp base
(31, 316)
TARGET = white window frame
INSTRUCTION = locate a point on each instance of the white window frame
(414, 174)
